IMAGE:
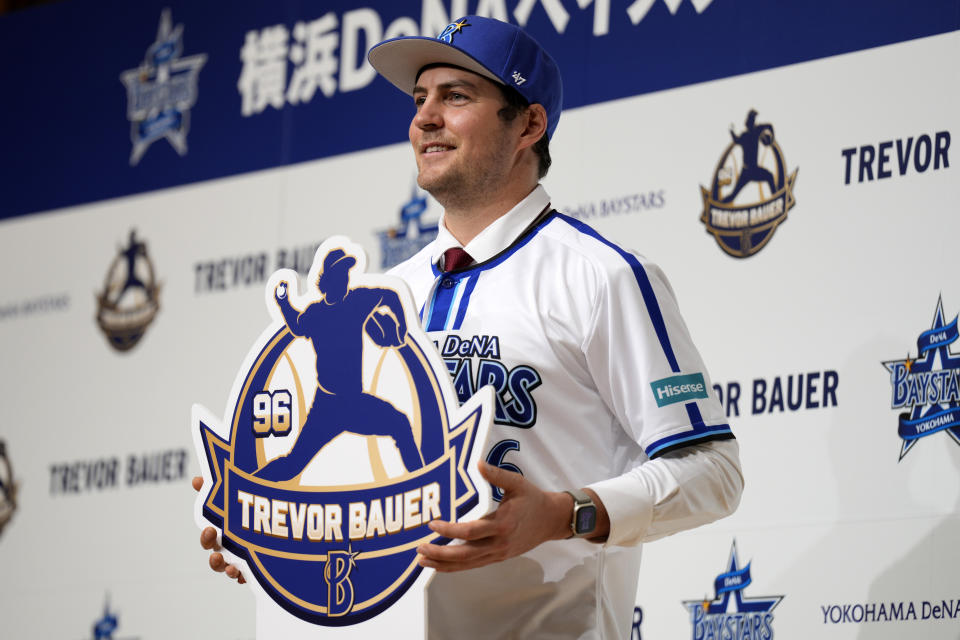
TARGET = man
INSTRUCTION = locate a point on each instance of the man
(606, 429)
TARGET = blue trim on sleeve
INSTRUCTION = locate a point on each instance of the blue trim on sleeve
(687, 438)
(646, 289)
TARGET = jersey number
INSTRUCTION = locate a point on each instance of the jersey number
(496, 456)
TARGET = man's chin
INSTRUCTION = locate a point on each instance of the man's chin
(433, 184)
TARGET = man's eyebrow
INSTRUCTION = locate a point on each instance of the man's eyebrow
(447, 86)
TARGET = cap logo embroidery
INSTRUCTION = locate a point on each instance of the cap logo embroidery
(454, 27)
(519, 79)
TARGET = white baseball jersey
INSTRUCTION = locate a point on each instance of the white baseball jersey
(596, 379)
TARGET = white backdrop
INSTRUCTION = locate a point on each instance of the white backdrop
(830, 520)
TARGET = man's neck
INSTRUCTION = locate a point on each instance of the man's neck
(466, 221)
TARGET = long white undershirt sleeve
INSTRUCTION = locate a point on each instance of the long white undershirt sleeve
(677, 491)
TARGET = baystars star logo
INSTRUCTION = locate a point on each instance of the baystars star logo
(930, 392)
(343, 439)
(161, 92)
(731, 615)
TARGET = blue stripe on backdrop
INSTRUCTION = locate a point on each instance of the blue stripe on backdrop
(66, 138)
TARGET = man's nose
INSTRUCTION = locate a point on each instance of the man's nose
(429, 115)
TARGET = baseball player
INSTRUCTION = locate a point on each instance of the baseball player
(607, 432)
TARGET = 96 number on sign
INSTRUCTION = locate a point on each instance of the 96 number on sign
(271, 413)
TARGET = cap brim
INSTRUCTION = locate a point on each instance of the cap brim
(400, 59)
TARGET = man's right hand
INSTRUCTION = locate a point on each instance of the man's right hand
(208, 540)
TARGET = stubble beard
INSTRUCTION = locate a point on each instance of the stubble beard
(461, 187)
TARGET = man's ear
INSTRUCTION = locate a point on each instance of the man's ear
(535, 125)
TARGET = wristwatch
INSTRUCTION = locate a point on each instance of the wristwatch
(584, 520)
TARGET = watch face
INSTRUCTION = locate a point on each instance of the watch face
(586, 519)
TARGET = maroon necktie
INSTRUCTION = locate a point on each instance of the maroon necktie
(455, 258)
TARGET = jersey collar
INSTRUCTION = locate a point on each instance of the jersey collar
(500, 233)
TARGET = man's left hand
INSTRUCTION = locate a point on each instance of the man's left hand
(526, 518)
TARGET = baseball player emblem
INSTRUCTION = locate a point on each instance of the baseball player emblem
(751, 191)
(130, 299)
(343, 439)
(333, 325)
(8, 488)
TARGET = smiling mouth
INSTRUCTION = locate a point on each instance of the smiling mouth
(436, 148)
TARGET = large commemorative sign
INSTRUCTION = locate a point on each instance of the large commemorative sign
(342, 440)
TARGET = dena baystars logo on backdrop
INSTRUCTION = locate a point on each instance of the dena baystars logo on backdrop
(928, 386)
(343, 440)
(107, 624)
(161, 92)
(731, 615)
(411, 235)
(751, 191)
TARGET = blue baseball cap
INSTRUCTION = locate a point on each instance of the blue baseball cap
(493, 49)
